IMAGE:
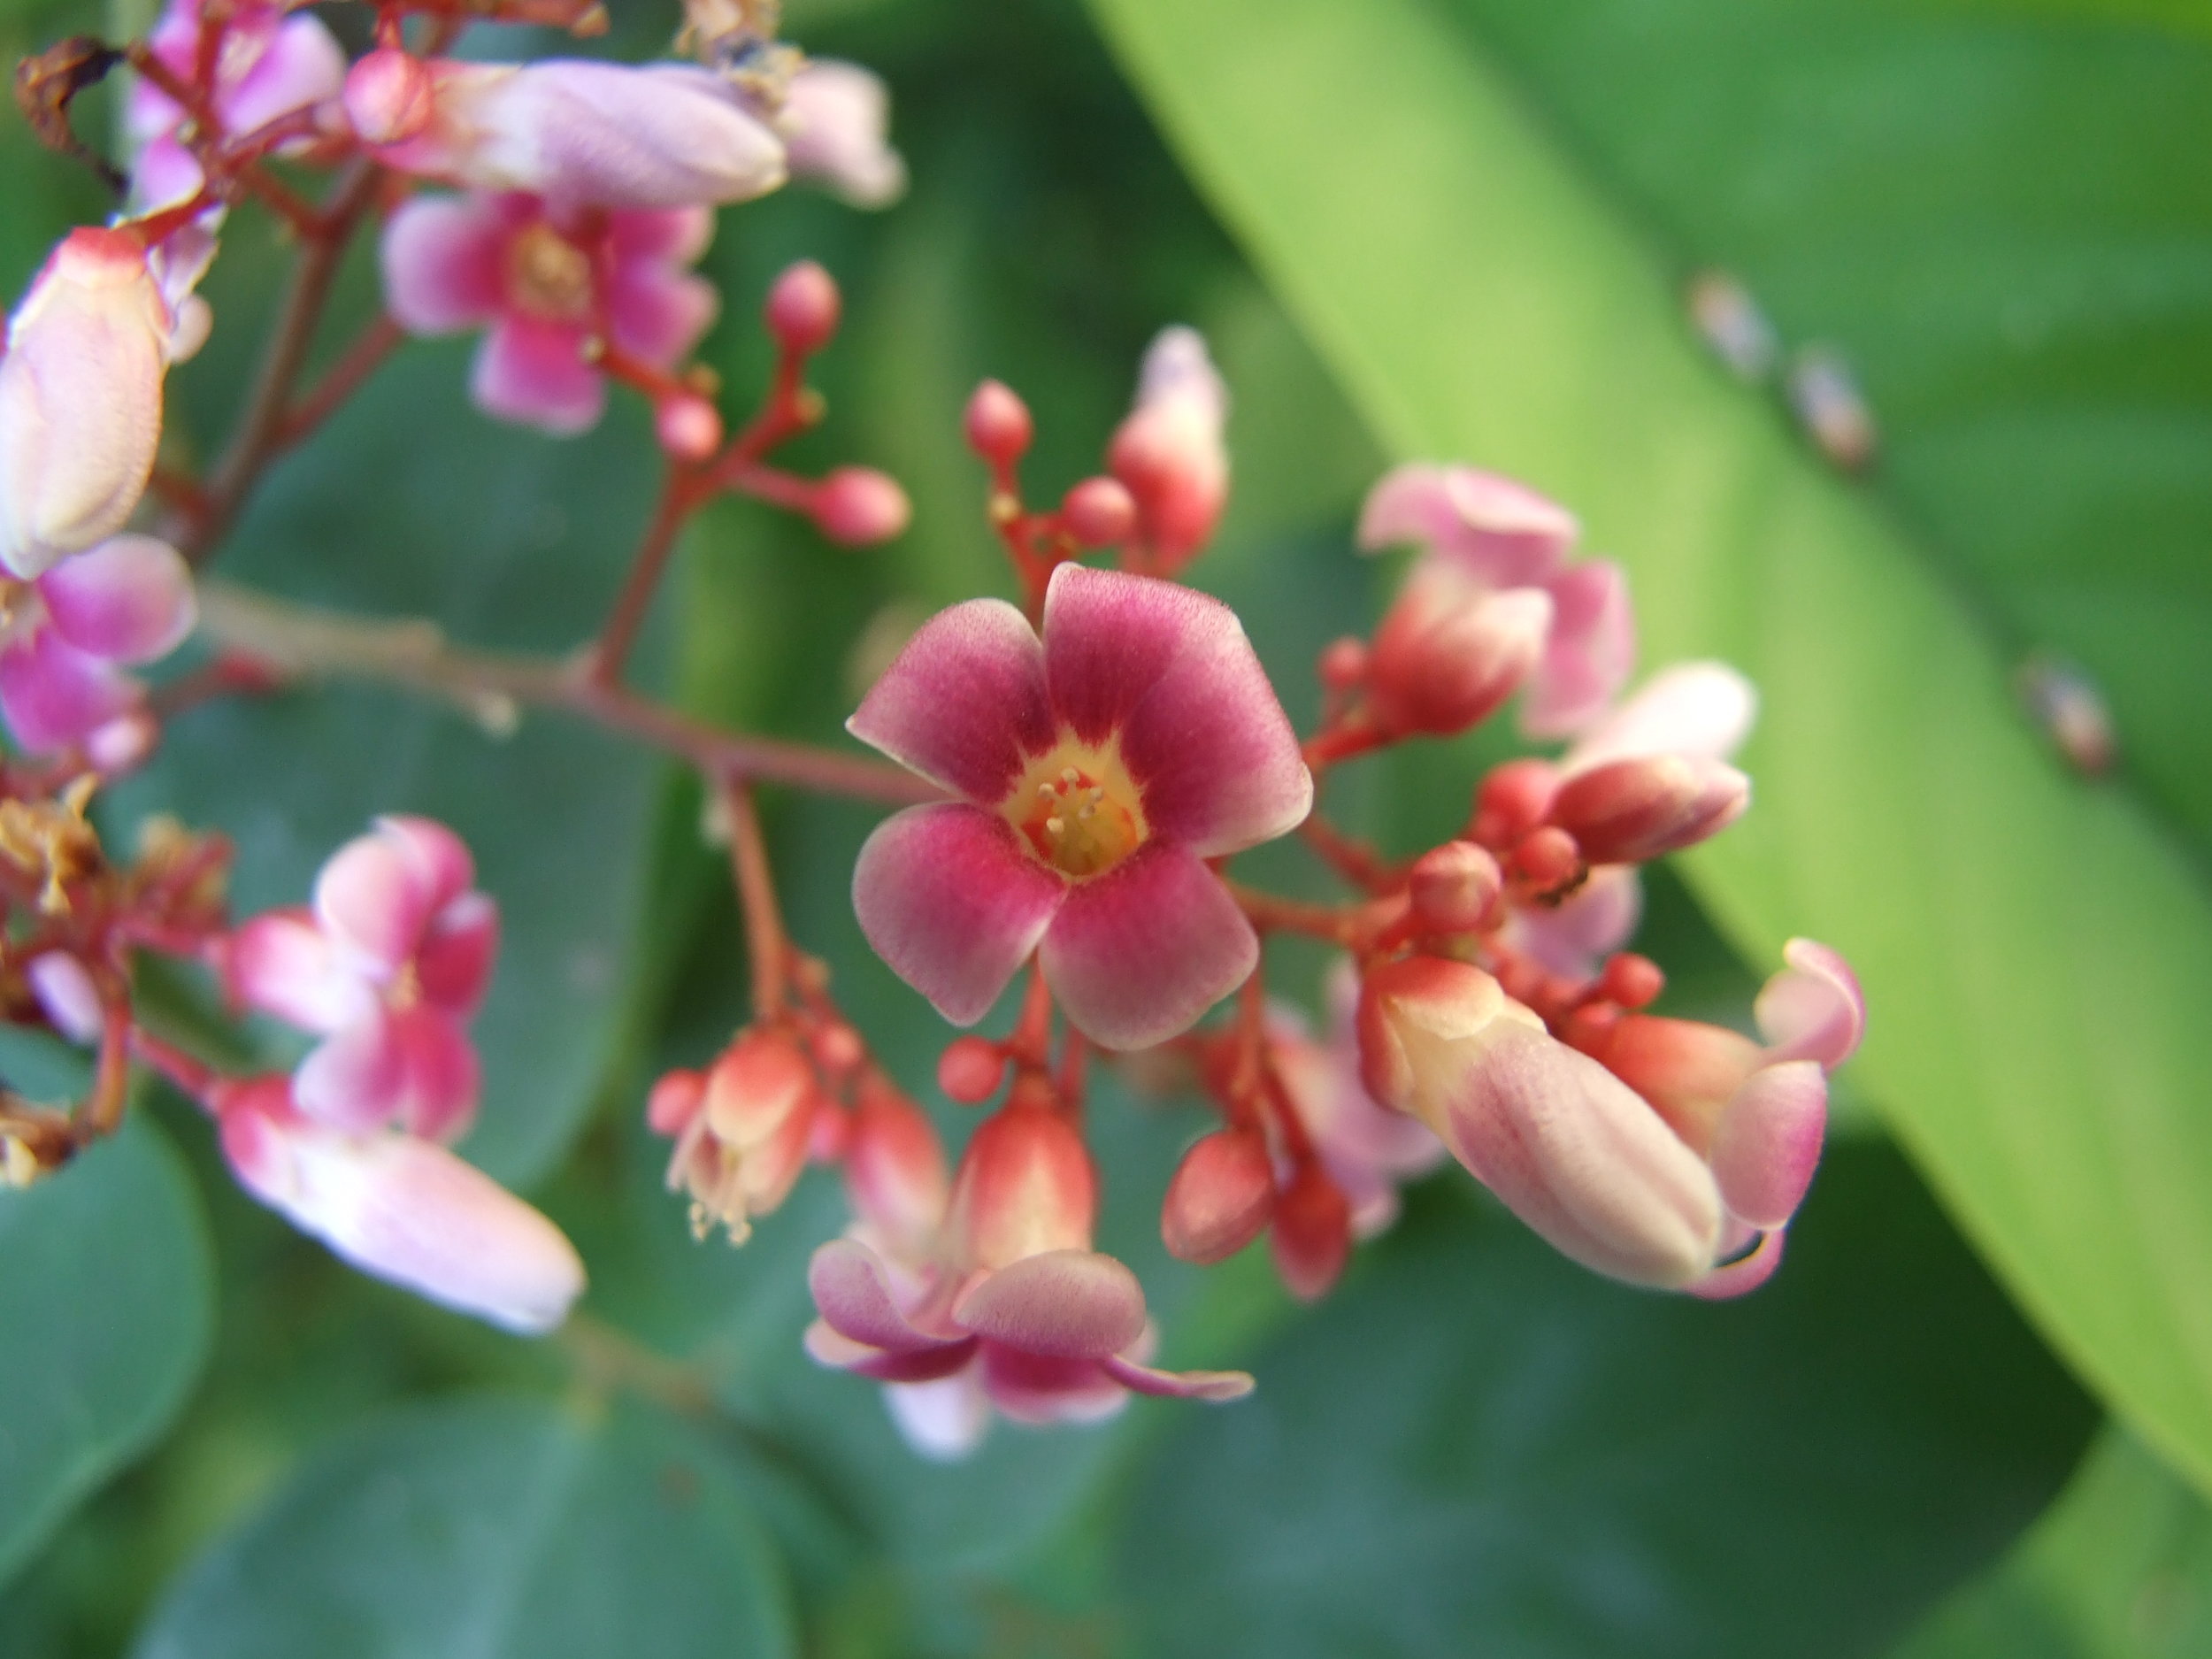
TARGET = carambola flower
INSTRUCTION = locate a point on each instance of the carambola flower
(1099, 768)
(66, 638)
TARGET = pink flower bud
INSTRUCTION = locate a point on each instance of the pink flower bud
(1455, 888)
(1343, 664)
(688, 427)
(1630, 810)
(803, 308)
(1099, 512)
(66, 996)
(674, 1102)
(1699, 711)
(79, 399)
(1312, 1235)
(1512, 799)
(745, 1144)
(998, 424)
(1451, 650)
(1026, 1185)
(389, 97)
(857, 506)
(1220, 1197)
(894, 1169)
(970, 1070)
(1169, 449)
(834, 121)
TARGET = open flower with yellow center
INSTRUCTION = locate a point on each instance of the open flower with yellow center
(1098, 768)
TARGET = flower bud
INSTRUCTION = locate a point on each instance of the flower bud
(1220, 1197)
(79, 399)
(1026, 1185)
(998, 424)
(857, 506)
(1627, 811)
(1451, 650)
(970, 1070)
(690, 427)
(1700, 710)
(1453, 888)
(1512, 799)
(674, 1102)
(1312, 1235)
(1169, 449)
(803, 308)
(1343, 662)
(894, 1169)
(1099, 512)
(746, 1142)
(389, 97)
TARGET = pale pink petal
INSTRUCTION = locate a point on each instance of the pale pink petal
(1169, 672)
(852, 1292)
(947, 898)
(1814, 1009)
(67, 996)
(943, 1420)
(441, 861)
(1501, 532)
(1698, 710)
(1743, 1275)
(1591, 648)
(54, 695)
(302, 64)
(671, 236)
(1038, 1388)
(658, 315)
(355, 1080)
(1136, 955)
(1214, 1387)
(129, 599)
(374, 902)
(825, 1346)
(532, 373)
(832, 122)
(165, 173)
(1068, 1304)
(1768, 1142)
(443, 262)
(453, 964)
(282, 964)
(1573, 937)
(965, 703)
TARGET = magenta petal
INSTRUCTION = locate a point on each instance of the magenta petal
(1768, 1140)
(658, 315)
(1068, 1304)
(441, 860)
(282, 964)
(1212, 1386)
(1743, 1275)
(1138, 953)
(853, 1294)
(1169, 671)
(453, 964)
(964, 702)
(444, 263)
(128, 599)
(440, 1076)
(533, 373)
(674, 237)
(303, 64)
(1574, 937)
(1591, 649)
(1814, 1009)
(947, 898)
(54, 695)
(355, 1081)
(1039, 1388)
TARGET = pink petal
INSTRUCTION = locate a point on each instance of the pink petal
(1698, 710)
(165, 173)
(964, 702)
(441, 861)
(374, 902)
(1066, 1304)
(67, 996)
(1214, 1387)
(1040, 1389)
(129, 599)
(453, 964)
(282, 964)
(355, 1080)
(1501, 532)
(852, 1292)
(1743, 1275)
(1814, 1009)
(1136, 955)
(1573, 937)
(532, 373)
(825, 1346)
(55, 694)
(671, 236)
(443, 257)
(1592, 647)
(443, 1080)
(1169, 671)
(302, 64)
(1768, 1142)
(943, 1420)
(834, 121)
(659, 315)
(947, 898)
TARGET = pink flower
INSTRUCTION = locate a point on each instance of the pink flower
(1099, 768)
(1505, 536)
(579, 132)
(402, 1209)
(67, 637)
(1018, 1307)
(1696, 711)
(1168, 452)
(741, 1130)
(79, 399)
(271, 62)
(834, 121)
(542, 282)
(388, 966)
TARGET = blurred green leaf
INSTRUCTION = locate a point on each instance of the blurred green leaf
(105, 1304)
(1477, 1448)
(2031, 947)
(496, 1527)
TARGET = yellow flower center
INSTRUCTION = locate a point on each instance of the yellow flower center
(1077, 810)
(549, 275)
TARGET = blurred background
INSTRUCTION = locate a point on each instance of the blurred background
(1458, 229)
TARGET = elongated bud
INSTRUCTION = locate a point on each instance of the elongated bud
(803, 308)
(894, 1168)
(1026, 1185)
(79, 399)
(857, 506)
(1455, 888)
(1221, 1197)
(1312, 1235)
(1451, 650)
(1169, 450)
(66, 996)
(1629, 811)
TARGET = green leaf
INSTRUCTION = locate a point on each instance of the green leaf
(2031, 947)
(1526, 1459)
(491, 1528)
(105, 1305)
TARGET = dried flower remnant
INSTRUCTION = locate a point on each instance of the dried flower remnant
(2068, 707)
(1832, 408)
(1732, 326)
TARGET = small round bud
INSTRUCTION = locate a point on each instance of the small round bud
(1513, 800)
(674, 1102)
(388, 97)
(1630, 980)
(1453, 888)
(856, 506)
(836, 1048)
(1547, 859)
(123, 744)
(997, 424)
(1220, 1199)
(1099, 512)
(803, 308)
(689, 428)
(1343, 662)
(970, 1070)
